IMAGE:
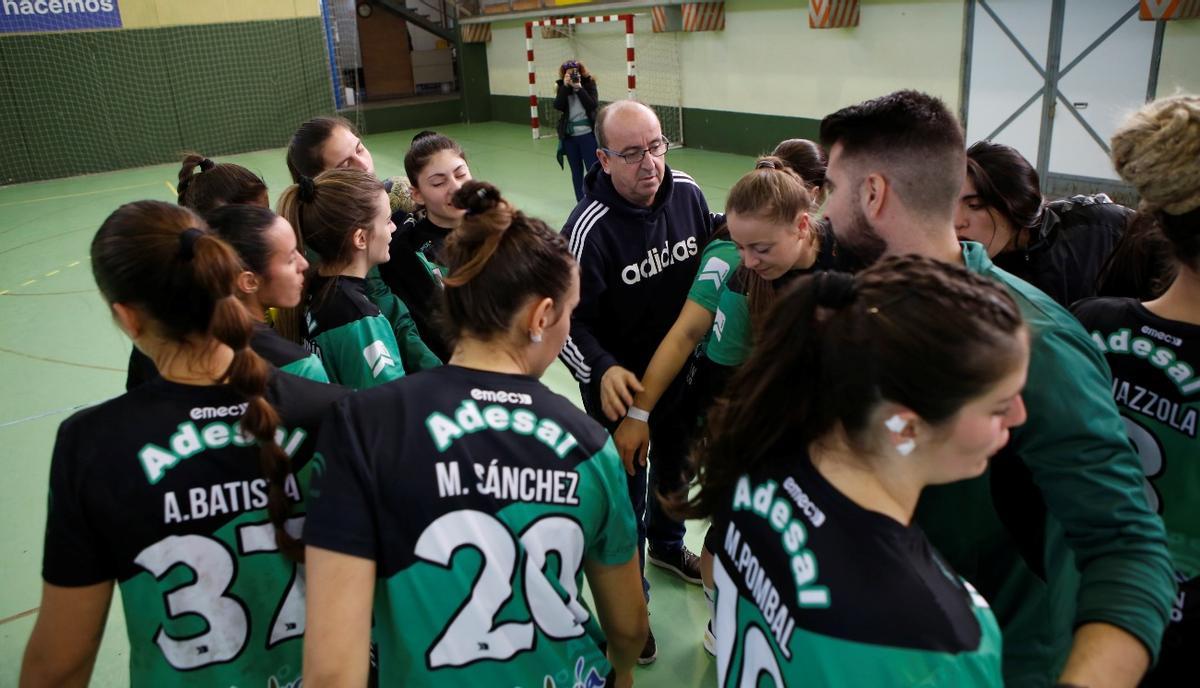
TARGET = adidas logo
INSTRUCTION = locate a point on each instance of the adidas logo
(378, 357)
(714, 271)
(658, 260)
(719, 324)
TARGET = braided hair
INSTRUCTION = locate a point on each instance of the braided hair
(910, 330)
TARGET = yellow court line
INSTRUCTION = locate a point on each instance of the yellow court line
(2, 293)
(71, 265)
(52, 273)
(173, 191)
(74, 195)
(26, 284)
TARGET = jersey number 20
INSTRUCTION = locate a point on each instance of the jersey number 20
(472, 633)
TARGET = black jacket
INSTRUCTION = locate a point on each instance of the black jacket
(636, 265)
(1066, 253)
(588, 98)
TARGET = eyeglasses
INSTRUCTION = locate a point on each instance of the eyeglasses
(657, 149)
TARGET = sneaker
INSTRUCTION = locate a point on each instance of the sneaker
(710, 641)
(682, 562)
(649, 650)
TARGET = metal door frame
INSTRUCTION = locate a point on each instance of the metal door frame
(1051, 75)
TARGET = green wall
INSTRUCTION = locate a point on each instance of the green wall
(79, 102)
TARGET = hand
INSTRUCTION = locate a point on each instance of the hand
(617, 388)
(632, 439)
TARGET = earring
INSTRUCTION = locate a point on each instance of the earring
(906, 447)
(895, 423)
(534, 337)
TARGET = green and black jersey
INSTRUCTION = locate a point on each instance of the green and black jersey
(355, 342)
(414, 273)
(729, 342)
(160, 491)
(479, 496)
(273, 347)
(1057, 532)
(813, 589)
(1156, 385)
(718, 263)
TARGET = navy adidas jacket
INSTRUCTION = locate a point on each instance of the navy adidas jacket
(636, 265)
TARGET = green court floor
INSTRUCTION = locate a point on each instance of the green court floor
(59, 352)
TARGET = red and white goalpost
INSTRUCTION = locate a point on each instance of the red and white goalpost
(650, 72)
(630, 64)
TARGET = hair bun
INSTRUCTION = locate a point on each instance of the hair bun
(770, 162)
(477, 197)
(835, 289)
(306, 189)
(206, 165)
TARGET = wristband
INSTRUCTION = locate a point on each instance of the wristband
(638, 414)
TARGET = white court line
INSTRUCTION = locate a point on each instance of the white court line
(54, 412)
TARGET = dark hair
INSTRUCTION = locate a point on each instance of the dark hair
(805, 158)
(162, 259)
(244, 228)
(422, 151)
(422, 134)
(497, 260)
(324, 212)
(913, 137)
(774, 192)
(1005, 180)
(1183, 233)
(304, 153)
(911, 330)
(216, 184)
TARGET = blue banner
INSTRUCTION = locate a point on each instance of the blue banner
(20, 16)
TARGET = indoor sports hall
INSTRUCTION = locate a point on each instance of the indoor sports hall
(99, 100)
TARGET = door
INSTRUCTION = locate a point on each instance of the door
(1054, 79)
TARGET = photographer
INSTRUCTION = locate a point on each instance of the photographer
(577, 101)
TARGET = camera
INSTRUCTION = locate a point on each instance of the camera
(575, 75)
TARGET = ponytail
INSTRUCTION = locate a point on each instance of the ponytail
(910, 330)
(217, 184)
(157, 256)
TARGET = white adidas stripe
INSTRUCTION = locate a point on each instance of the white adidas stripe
(580, 221)
(583, 235)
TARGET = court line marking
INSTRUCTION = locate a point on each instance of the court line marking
(19, 615)
(65, 409)
(46, 359)
(6, 292)
(171, 188)
(75, 195)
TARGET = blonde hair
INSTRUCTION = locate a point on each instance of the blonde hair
(1157, 150)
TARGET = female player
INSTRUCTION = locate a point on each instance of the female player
(765, 195)
(332, 143)
(1059, 247)
(461, 507)
(273, 277)
(218, 184)
(188, 491)
(861, 391)
(771, 222)
(1153, 349)
(576, 99)
(437, 169)
(213, 186)
(344, 218)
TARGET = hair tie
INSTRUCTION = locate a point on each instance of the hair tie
(307, 189)
(187, 243)
(206, 165)
(766, 164)
(482, 194)
(835, 289)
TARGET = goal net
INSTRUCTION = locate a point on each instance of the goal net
(602, 43)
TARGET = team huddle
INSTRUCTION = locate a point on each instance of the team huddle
(941, 430)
